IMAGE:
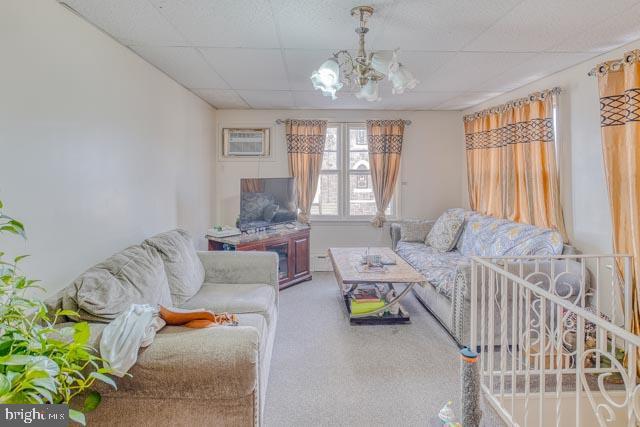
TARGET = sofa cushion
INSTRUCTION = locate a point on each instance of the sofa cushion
(474, 230)
(133, 276)
(518, 239)
(489, 236)
(445, 232)
(438, 268)
(414, 231)
(185, 272)
(220, 362)
(235, 298)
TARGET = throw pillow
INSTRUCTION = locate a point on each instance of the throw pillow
(414, 231)
(133, 276)
(181, 262)
(269, 212)
(447, 229)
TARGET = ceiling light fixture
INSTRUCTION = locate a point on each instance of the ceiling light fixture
(365, 70)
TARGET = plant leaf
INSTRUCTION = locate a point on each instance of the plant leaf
(77, 416)
(70, 313)
(47, 365)
(19, 258)
(92, 401)
(104, 379)
(82, 333)
(17, 360)
(5, 384)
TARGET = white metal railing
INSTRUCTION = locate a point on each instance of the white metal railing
(555, 341)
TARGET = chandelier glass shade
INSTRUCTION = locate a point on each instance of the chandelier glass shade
(362, 72)
(327, 78)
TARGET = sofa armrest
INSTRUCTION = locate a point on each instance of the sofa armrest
(201, 364)
(240, 267)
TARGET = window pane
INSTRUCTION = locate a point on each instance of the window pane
(331, 143)
(359, 160)
(326, 200)
(361, 199)
(330, 160)
(358, 139)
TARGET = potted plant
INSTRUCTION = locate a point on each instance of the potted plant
(39, 362)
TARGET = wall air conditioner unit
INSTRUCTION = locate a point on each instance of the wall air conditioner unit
(245, 142)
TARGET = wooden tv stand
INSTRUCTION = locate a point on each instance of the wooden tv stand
(291, 243)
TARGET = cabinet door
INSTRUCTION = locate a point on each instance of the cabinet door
(282, 250)
(301, 248)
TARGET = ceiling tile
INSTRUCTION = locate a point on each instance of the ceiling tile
(249, 68)
(469, 69)
(467, 100)
(411, 100)
(325, 24)
(267, 99)
(538, 25)
(607, 35)
(129, 21)
(537, 67)
(315, 99)
(301, 63)
(221, 98)
(222, 23)
(438, 25)
(423, 65)
(185, 64)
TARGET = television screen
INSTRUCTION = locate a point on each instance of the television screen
(267, 201)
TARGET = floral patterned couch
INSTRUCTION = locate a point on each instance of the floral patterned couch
(448, 274)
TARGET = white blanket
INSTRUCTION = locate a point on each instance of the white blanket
(126, 334)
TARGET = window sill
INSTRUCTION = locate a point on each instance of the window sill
(347, 221)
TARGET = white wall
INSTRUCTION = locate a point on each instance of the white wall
(431, 177)
(98, 149)
(583, 187)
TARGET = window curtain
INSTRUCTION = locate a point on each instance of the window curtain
(619, 87)
(385, 147)
(305, 146)
(511, 162)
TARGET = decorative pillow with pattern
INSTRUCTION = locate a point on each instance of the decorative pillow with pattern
(414, 231)
(445, 232)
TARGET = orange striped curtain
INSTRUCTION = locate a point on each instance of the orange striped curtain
(305, 148)
(619, 86)
(511, 163)
(385, 146)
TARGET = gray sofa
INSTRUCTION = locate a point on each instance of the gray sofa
(212, 376)
(446, 293)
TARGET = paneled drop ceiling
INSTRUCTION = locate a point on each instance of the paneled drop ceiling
(260, 53)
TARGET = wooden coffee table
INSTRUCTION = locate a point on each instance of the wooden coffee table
(350, 273)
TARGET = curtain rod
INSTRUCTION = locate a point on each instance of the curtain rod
(282, 121)
(513, 103)
(615, 65)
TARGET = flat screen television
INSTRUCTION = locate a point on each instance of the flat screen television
(265, 202)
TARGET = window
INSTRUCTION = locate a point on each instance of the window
(344, 189)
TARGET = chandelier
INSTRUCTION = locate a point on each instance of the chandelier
(364, 71)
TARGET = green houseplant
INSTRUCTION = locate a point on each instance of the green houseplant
(40, 363)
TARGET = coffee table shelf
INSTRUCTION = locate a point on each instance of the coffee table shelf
(385, 319)
(350, 275)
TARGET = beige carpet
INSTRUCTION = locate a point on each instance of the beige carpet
(326, 372)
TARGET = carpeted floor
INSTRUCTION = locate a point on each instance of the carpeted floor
(326, 372)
